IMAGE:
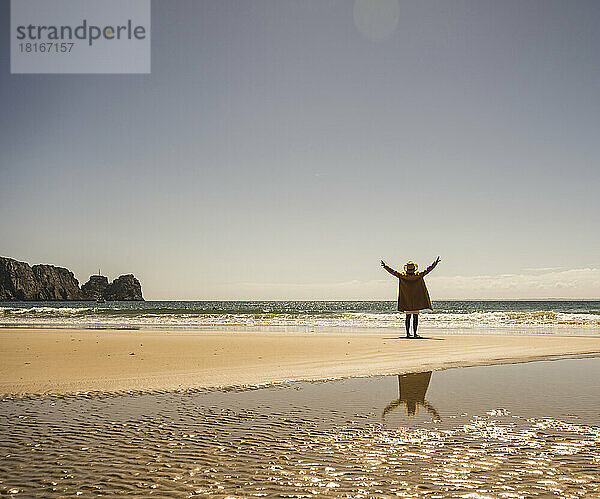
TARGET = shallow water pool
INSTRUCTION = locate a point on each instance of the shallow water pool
(499, 431)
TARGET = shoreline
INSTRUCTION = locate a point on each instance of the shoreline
(517, 330)
(89, 394)
(37, 361)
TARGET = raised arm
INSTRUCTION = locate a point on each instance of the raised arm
(390, 269)
(431, 267)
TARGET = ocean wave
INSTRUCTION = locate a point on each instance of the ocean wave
(184, 318)
(48, 311)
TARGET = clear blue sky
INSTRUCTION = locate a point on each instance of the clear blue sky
(281, 148)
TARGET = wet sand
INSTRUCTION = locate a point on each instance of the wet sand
(68, 361)
(520, 430)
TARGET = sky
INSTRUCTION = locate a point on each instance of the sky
(280, 149)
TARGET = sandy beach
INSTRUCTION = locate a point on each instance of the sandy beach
(67, 361)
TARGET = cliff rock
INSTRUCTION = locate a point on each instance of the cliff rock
(95, 288)
(56, 283)
(19, 281)
(125, 287)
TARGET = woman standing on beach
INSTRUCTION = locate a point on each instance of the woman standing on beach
(412, 292)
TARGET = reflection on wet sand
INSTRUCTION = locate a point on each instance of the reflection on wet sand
(539, 439)
(411, 392)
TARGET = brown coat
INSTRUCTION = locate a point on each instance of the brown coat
(412, 292)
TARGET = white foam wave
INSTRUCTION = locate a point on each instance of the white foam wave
(66, 311)
(86, 317)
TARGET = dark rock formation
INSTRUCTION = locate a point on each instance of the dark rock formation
(126, 287)
(56, 283)
(19, 281)
(94, 289)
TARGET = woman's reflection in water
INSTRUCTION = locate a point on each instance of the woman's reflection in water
(411, 392)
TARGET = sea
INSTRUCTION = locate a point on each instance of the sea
(548, 317)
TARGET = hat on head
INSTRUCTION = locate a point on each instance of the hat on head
(411, 267)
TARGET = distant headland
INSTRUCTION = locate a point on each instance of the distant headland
(21, 282)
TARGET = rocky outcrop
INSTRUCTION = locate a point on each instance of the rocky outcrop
(126, 287)
(19, 281)
(56, 283)
(94, 289)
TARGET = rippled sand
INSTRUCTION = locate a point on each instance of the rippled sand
(500, 431)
